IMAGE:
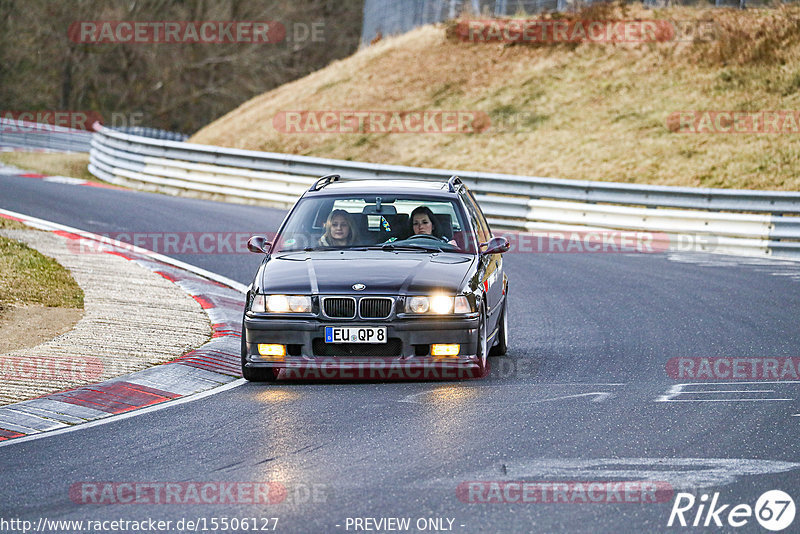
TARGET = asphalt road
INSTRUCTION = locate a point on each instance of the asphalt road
(583, 395)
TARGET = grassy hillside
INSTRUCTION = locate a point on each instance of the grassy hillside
(580, 111)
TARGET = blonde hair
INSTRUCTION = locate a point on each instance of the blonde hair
(326, 238)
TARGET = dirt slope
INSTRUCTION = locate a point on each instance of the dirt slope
(600, 111)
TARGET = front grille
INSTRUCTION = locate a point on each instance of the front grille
(339, 307)
(392, 347)
(375, 308)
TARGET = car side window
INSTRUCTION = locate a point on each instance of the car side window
(474, 214)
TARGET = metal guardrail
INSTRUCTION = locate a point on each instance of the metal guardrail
(733, 221)
(17, 134)
(33, 135)
(153, 133)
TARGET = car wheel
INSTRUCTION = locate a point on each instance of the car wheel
(501, 345)
(254, 374)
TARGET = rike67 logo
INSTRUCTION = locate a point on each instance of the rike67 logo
(774, 510)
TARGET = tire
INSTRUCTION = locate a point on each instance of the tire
(252, 374)
(501, 344)
(482, 347)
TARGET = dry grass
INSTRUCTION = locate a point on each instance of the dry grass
(11, 224)
(56, 164)
(30, 278)
(587, 111)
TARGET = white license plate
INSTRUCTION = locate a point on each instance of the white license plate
(350, 334)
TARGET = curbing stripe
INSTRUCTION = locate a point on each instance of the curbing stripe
(143, 411)
(204, 302)
(115, 397)
(207, 370)
(34, 421)
(9, 434)
(8, 170)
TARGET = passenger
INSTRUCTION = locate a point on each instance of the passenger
(423, 222)
(339, 230)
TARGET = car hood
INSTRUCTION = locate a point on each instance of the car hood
(382, 272)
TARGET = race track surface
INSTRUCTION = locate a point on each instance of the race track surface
(583, 395)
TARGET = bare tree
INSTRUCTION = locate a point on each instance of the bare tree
(176, 86)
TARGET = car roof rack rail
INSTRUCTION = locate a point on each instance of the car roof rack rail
(454, 182)
(325, 180)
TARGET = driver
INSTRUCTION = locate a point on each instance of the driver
(424, 223)
(339, 230)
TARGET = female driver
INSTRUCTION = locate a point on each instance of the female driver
(424, 223)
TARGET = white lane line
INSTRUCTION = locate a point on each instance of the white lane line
(680, 473)
(601, 395)
(726, 400)
(681, 389)
(127, 415)
(733, 391)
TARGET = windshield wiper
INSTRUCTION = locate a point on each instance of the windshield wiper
(422, 248)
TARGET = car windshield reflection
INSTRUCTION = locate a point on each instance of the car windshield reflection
(373, 223)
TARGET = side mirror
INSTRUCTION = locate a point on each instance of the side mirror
(496, 245)
(259, 244)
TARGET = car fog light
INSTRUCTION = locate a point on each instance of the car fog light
(441, 349)
(271, 349)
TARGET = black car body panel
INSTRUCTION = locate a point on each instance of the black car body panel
(392, 273)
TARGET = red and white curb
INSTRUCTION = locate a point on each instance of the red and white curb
(9, 170)
(210, 369)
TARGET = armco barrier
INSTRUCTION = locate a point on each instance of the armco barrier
(20, 134)
(740, 221)
(25, 135)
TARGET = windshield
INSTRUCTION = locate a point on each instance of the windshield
(387, 223)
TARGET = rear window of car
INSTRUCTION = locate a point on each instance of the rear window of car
(375, 220)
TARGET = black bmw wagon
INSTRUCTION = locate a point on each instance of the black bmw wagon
(377, 279)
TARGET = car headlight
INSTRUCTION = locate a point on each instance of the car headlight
(281, 304)
(438, 304)
(418, 305)
(441, 304)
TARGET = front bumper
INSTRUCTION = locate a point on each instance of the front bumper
(304, 336)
